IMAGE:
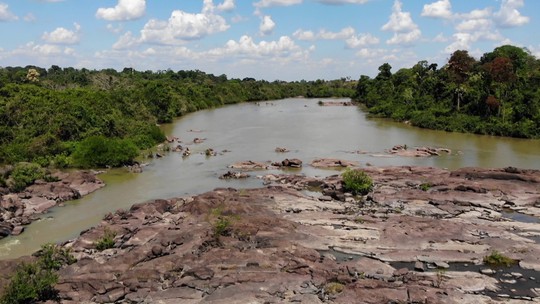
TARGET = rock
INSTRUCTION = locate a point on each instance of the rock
(293, 163)
(281, 150)
(325, 198)
(401, 272)
(234, 175)
(442, 265)
(419, 266)
(5, 229)
(403, 150)
(17, 230)
(332, 163)
(210, 152)
(487, 271)
(249, 165)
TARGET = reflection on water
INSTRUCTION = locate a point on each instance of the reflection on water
(252, 132)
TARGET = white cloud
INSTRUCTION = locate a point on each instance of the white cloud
(304, 35)
(226, 6)
(245, 46)
(270, 3)
(267, 25)
(115, 29)
(440, 38)
(405, 38)
(404, 28)
(439, 9)
(123, 11)
(477, 14)
(348, 34)
(343, 34)
(184, 26)
(400, 21)
(474, 25)
(62, 35)
(125, 41)
(509, 15)
(340, 2)
(361, 40)
(5, 14)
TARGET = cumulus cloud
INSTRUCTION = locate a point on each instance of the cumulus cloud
(361, 40)
(270, 3)
(304, 35)
(245, 46)
(342, 34)
(348, 34)
(183, 26)
(401, 23)
(62, 35)
(5, 14)
(127, 40)
(509, 15)
(227, 5)
(123, 11)
(267, 25)
(439, 9)
(46, 50)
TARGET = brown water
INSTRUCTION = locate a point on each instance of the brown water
(252, 132)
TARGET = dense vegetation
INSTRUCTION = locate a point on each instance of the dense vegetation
(86, 118)
(496, 95)
(33, 282)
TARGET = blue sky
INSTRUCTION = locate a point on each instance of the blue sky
(265, 39)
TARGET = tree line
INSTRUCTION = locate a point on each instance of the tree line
(499, 94)
(64, 116)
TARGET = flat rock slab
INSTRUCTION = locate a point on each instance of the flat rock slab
(277, 245)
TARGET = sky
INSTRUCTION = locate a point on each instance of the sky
(266, 39)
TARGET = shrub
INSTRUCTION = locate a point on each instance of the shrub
(425, 186)
(35, 281)
(498, 259)
(99, 151)
(357, 181)
(24, 175)
(106, 241)
(334, 288)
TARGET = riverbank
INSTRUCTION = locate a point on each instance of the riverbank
(419, 236)
(20, 209)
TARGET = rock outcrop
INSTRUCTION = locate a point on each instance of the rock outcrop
(19, 209)
(279, 245)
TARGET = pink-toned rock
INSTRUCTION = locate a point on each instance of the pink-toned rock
(333, 163)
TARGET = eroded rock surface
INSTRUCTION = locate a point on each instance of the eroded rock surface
(279, 245)
(19, 209)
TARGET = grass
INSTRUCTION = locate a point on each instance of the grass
(106, 241)
(498, 259)
(334, 288)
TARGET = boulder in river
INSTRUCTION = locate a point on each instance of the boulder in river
(333, 163)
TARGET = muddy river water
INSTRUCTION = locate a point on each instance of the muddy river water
(251, 131)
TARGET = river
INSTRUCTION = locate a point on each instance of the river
(251, 131)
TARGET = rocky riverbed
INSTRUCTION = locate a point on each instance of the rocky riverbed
(20, 209)
(419, 236)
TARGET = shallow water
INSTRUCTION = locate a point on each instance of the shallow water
(252, 132)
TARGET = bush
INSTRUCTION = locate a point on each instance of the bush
(99, 151)
(106, 241)
(24, 175)
(357, 181)
(35, 281)
(498, 259)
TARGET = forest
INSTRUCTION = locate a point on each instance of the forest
(499, 94)
(67, 117)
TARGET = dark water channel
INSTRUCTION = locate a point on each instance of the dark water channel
(252, 132)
